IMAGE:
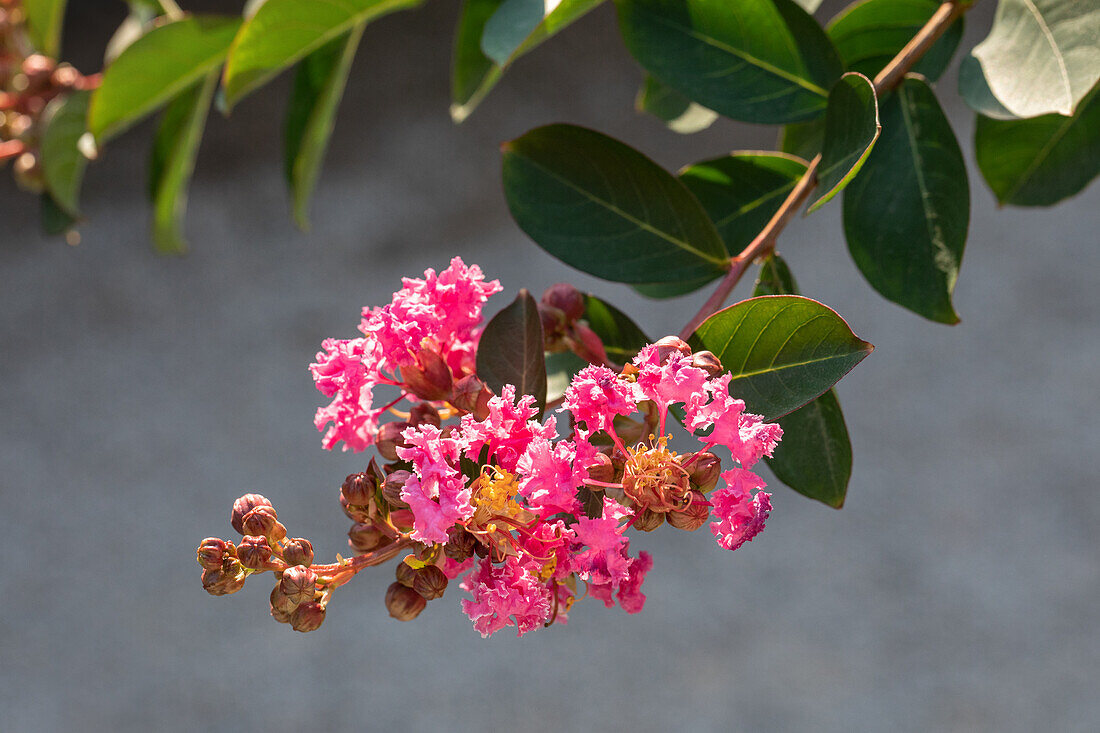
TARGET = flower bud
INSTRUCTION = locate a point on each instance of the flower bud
(460, 544)
(389, 440)
(403, 603)
(358, 489)
(299, 584)
(279, 615)
(262, 522)
(430, 379)
(429, 582)
(602, 469)
(422, 413)
(298, 551)
(365, 537)
(254, 552)
(565, 298)
(694, 516)
(225, 580)
(648, 520)
(671, 346)
(307, 617)
(471, 396)
(243, 506)
(355, 512)
(391, 490)
(280, 604)
(704, 470)
(211, 552)
(553, 326)
(404, 574)
(708, 362)
(402, 519)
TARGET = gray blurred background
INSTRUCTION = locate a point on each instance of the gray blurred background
(958, 590)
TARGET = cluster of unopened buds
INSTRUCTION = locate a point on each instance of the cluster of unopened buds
(477, 487)
(28, 81)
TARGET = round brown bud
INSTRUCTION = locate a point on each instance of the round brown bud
(708, 362)
(225, 580)
(565, 298)
(391, 489)
(279, 615)
(358, 489)
(405, 574)
(429, 582)
(299, 584)
(648, 520)
(365, 537)
(470, 395)
(243, 506)
(553, 325)
(403, 603)
(671, 346)
(280, 603)
(298, 551)
(694, 516)
(460, 544)
(430, 379)
(254, 552)
(602, 469)
(211, 552)
(704, 470)
(260, 522)
(422, 413)
(355, 512)
(389, 440)
(307, 617)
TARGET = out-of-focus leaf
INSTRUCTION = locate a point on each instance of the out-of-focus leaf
(742, 191)
(906, 214)
(173, 160)
(283, 32)
(869, 33)
(606, 209)
(54, 219)
(1041, 57)
(318, 87)
(1040, 161)
(809, 5)
(620, 335)
(753, 60)
(803, 139)
(782, 350)
(136, 24)
(44, 21)
(65, 121)
(156, 68)
(510, 350)
(851, 128)
(560, 368)
(679, 113)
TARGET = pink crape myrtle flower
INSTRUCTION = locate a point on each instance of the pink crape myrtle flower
(746, 435)
(596, 395)
(741, 515)
(550, 474)
(603, 560)
(436, 493)
(674, 381)
(505, 595)
(630, 595)
(507, 430)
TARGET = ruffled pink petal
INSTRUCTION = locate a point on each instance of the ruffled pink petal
(741, 515)
(505, 595)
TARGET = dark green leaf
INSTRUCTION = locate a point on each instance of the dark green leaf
(560, 368)
(65, 121)
(869, 33)
(1040, 161)
(606, 209)
(753, 60)
(620, 335)
(1040, 57)
(474, 73)
(156, 68)
(803, 139)
(283, 32)
(661, 291)
(742, 191)
(678, 112)
(510, 350)
(815, 456)
(783, 350)
(906, 215)
(174, 150)
(54, 219)
(851, 128)
(136, 24)
(318, 86)
(44, 21)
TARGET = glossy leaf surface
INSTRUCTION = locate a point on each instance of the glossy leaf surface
(851, 128)
(679, 113)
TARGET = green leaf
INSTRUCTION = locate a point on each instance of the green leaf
(622, 339)
(803, 139)
(815, 456)
(318, 86)
(606, 209)
(752, 60)
(510, 350)
(560, 368)
(53, 218)
(1040, 161)
(906, 215)
(156, 68)
(474, 73)
(809, 5)
(662, 291)
(44, 21)
(783, 350)
(851, 128)
(63, 164)
(170, 166)
(869, 33)
(1040, 57)
(679, 113)
(283, 32)
(742, 191)
(137, 23)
